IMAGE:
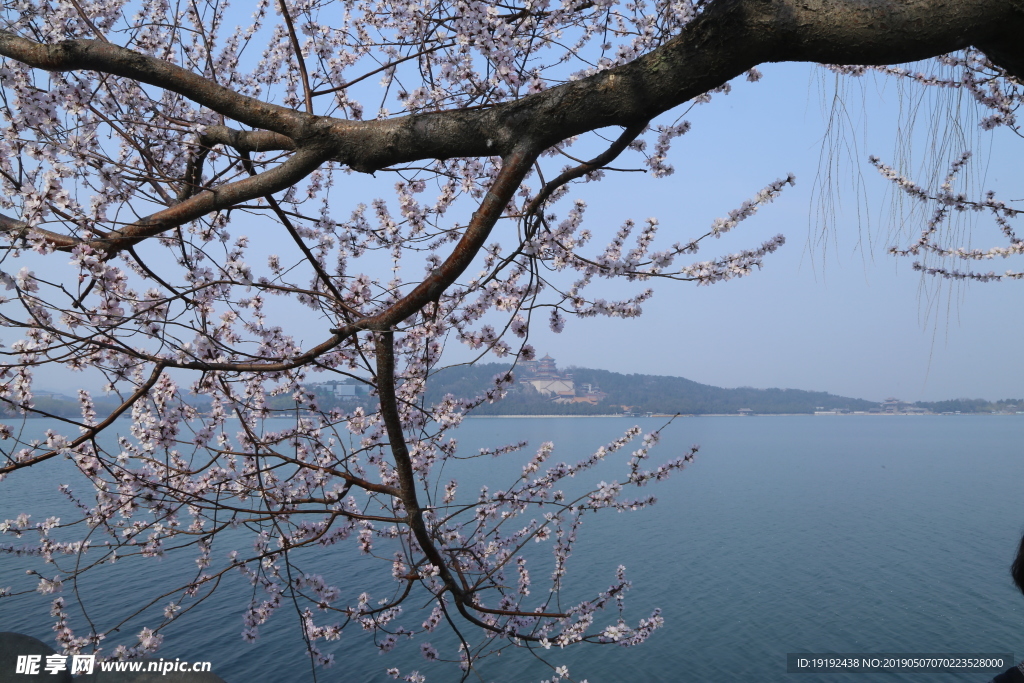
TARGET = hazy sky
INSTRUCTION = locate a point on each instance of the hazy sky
(836, 314)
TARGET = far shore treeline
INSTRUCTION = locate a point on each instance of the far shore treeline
(662, 394)
(637, 394)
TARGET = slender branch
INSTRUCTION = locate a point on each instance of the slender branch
(584, 168)
(92, 431)
(600, 161)
(513, 170)
(383, 67)
(306, 90)
(350, 478)
(310, 257)
(301, 164)
(85, 18)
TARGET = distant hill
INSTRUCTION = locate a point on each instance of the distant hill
(62, 405)
(641, 393)
(638, 393)
(974, 405)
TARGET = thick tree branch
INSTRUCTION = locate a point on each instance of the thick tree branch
(385, 350)
(242, 140)
(301, 164)
(728, 38)
(95, 55)
(13, 225)
(464, 600)
(247, 140)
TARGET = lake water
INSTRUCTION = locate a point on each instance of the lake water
(787, 534)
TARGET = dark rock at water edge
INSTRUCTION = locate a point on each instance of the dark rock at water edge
(14, 644)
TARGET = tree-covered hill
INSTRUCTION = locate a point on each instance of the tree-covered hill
(973, 405)
(640, 393)
(625, 393)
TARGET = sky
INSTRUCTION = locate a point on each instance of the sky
(831, 310)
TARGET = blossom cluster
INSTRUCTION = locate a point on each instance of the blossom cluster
(944, 203)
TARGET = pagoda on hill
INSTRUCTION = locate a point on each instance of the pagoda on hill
(544, 376)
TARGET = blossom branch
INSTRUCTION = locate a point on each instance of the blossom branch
(91, 431)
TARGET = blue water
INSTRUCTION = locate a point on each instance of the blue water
(787, 534)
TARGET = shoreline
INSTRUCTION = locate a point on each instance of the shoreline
(620, 415)
(664, 415)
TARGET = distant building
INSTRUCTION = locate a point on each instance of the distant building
(544, 376)
(546, 367)
(894, 406)
(554, 386)
(341, 390)
(589, 393)
(891, 405)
